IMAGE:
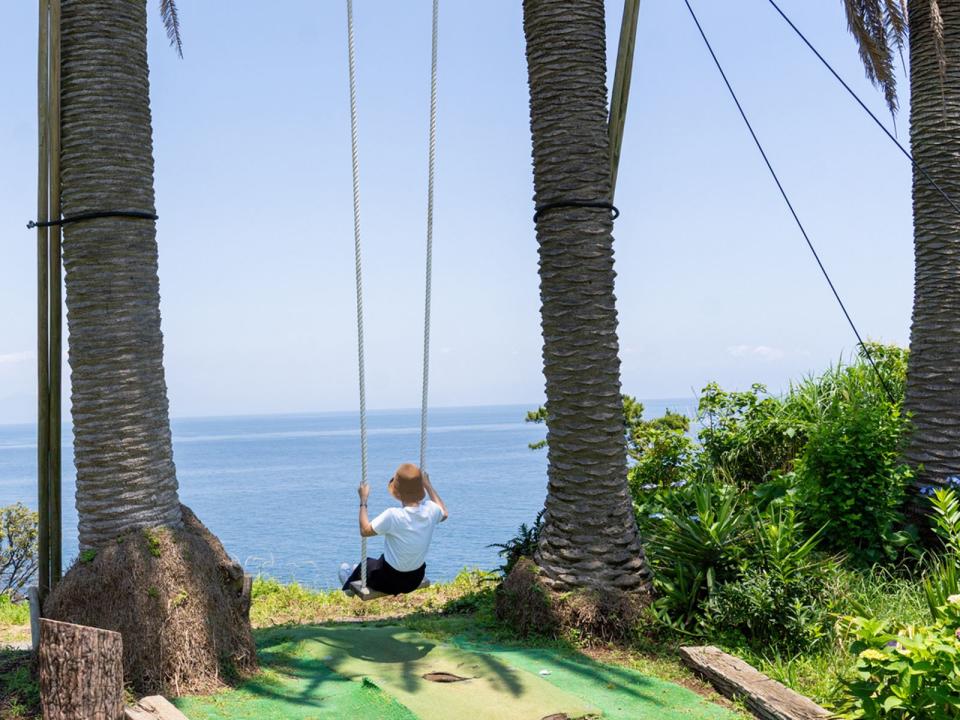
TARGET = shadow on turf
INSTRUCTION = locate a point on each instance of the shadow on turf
(279, 652)
(283, 652)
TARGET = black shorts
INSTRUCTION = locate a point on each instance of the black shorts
(383, 578)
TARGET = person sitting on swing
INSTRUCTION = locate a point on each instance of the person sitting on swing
(406, 531)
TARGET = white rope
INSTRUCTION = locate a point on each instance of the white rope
(429, 271)
(431, 162)
(351, 51)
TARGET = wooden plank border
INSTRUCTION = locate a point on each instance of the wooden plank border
(736, 679)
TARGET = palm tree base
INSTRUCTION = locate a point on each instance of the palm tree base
(527, 603)
(177, 599)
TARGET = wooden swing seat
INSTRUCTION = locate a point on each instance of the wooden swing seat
(368, 594)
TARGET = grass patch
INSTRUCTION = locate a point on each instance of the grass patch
(19, 692)
(13, 613)
(154, 545)
(275, 603)
(819, 672)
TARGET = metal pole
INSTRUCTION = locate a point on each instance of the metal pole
(621, 86)
(43, 299)
(56, 300)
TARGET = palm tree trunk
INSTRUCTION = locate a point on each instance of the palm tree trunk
(123, 455)
(157, 575)
(590, 535)
(933, 377)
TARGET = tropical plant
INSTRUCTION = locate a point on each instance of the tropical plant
(18, 548)
(693, 553)
(942, 579)
(589, 535)
(881, 28)
(523, 544)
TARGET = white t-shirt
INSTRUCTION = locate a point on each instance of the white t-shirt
(406, 533)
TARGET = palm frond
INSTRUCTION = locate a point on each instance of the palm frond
(880, 29)
(171, 22)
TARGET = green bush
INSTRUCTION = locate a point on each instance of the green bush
(907, 671)
(745, 436)
(849, 471)
(662, 453)
(942, 579)
(693, 554)
(778, 598)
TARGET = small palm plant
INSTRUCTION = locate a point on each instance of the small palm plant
(523, 544)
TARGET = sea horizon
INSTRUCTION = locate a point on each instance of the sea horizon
(279, 490)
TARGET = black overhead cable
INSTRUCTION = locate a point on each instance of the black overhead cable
(786, 199)
(868, 111)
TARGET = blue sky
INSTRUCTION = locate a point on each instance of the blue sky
(251, 136)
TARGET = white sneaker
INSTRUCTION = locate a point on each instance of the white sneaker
(345, 571)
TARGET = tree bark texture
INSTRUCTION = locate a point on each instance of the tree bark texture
(933, 374)
(590, 536)
(81, 672)
(123, 455)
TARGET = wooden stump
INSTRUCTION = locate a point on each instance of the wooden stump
(81, 672)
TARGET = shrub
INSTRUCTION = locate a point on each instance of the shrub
(943, 577)
(745, 436)
(851, 476)
(763, 610)
(692, 554)
(906, 672)
(522, 545)
(778, 599)
(18, 548)
(662, 452)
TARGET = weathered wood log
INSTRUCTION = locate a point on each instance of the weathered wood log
(155, 707)
(736, 679)
(81, 672)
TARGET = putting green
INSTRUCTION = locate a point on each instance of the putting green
(375, 671)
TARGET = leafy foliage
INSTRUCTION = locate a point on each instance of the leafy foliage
(851, 477)
(171, 23)
(906, 671)
(693, 554)
(662, 441)
(849, 472)
(942, 580)
(777, 600)
(746, 436)
(880, 29)
(18, 548)
(522, 545)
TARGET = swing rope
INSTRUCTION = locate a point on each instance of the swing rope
(355, 153)
(431, 162)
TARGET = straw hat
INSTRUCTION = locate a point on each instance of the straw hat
(406, 485)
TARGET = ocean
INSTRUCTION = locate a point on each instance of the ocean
(280, 490)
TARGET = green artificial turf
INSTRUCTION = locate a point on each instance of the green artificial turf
(618, 692)
(376, 671)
